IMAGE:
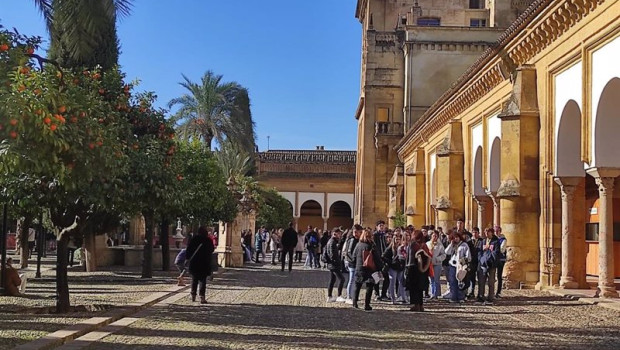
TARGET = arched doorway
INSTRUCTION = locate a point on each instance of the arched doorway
(495, 176)
(483, 205)
(340, 215)
(569, 175)
(310, 214)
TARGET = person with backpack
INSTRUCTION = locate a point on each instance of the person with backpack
(332, 259)
(312, 242)
(348, 248)
(199, 252)
(368, 266)
(488, 259)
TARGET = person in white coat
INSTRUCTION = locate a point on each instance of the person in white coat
(439, 254)
(457, 269)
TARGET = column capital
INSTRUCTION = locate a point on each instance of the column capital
(568, 185)
(602, 172)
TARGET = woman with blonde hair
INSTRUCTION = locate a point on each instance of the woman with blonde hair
(367, 261)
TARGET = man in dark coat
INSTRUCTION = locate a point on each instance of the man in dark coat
(199, 253)
(289, 241)
(334, 264)
(379, 238)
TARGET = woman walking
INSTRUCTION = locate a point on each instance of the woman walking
(367, 261)
(394, 257)
(199, 252)
(439, 254)
(418, 263)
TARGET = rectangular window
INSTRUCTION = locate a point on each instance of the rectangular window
(475, 4)
(429, 22)
(383, 114)
(592, 231)
(477, 22)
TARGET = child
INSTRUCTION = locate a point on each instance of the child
(179, 261)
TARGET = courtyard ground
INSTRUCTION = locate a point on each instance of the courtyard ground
(259, 307)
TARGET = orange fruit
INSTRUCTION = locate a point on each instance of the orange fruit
(47, 120)
(13, 134)
(62, 109)
(53, 127)
(4, 47)
(13, 122)
(30, 51)
(21, 88)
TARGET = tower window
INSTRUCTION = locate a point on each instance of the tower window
(383, 114)
(477, 22)
(475, 4)
(429, 21)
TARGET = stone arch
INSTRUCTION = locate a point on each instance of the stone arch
(568, 142)
(477, 173)
(310, 214)
(340, 215)
(607, 126)
(495, 165)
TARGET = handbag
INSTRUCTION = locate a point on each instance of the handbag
(369, 261)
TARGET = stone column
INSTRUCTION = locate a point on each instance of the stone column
(496, 207)
(325, 223)
(568, 185)
(605, 180)
(481, 201)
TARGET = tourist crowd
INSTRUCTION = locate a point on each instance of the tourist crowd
(403, 265)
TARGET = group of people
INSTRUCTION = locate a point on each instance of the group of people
(404, 265)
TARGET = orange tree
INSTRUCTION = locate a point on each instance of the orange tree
(63, 131)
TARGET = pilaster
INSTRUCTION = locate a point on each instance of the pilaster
(518, 191)
(450, 203)
(568, 186)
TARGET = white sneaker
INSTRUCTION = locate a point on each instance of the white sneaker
(349, 301)
(341, 300)
(331, 299)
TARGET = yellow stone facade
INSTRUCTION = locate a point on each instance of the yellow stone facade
(412, 52)
(526, 138)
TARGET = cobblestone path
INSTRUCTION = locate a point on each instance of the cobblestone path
(262, 308)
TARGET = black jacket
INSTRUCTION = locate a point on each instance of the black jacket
(392, 261)
(475, 248)
(489, 258)
(289, 238)
(334, 260)
(380, 242)
(200, 262)
(350, 248)
(363, 274)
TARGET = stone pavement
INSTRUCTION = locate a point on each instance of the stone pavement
(258, 307)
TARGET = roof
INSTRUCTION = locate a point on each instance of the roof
(307, 156)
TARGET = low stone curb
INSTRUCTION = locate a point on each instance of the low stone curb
(79, 329)
(613, 304)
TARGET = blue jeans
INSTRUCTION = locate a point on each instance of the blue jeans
(435, 281)
(400, 277)
(312, 261)
(350, 285)
(455, 293)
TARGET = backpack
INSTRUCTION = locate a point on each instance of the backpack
(312, 241)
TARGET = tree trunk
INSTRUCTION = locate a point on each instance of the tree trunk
(23, 238)
(90, 248)
(165, 244)
(147, 262)
(62, 282)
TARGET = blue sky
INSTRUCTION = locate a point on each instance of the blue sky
(299, 59)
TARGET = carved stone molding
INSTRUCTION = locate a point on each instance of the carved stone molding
(443, 203)
(509, 187)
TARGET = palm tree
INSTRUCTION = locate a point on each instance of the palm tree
(215, 110)
(83, 32)
(234, 162)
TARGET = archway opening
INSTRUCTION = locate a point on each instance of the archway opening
(340, 215)
(310, 214)
(607, 126)
(568, 143)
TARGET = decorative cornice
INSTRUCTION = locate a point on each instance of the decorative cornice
(318, 156)
(515, 47)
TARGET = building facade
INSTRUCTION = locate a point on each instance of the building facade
(525, 138)
(412, 52)
(317, 183)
